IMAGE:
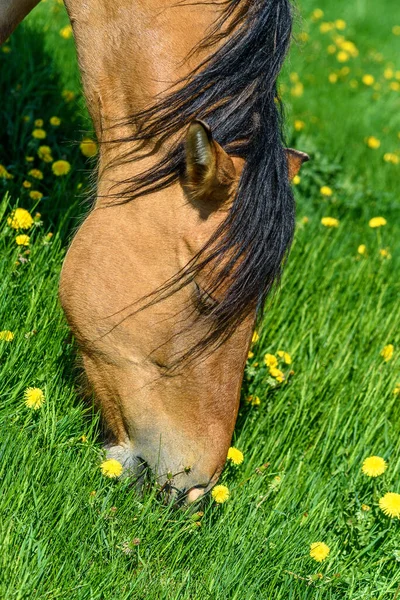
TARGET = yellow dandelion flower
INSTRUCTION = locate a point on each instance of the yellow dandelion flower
(235, 455)
(396, 30)
(340, 24)
(66, 32)
(299, 125)
(26, 184)
(373, 142)
(39, 134)
(317, 14)
(255, 337)
(29, 158)
(4, 174)
(68, 95)
(349, 47)
(20, 219)
(319, 551)
(388, 73)
(271, 360)
(277, 374)
(305, 220)
(342, 56)
(34, 398)
(394, 86)
(374, 466)
(332, 77)
(325, 27)
(326, 191)
(297, 90)
(362, 249)
(396, 390)
(111, 468)
(377, 222)
(220, 493)
(36, 173)
(391, 157)
(250, 355)
(61, 167)
(56, 121)
(303, 36)
(35, 195)
(365, 507)
(330, 222)
(254, 400)
(387, 352)
(6, 336)
(88, 147)
(390, 504)
(285, 356)
(22, 240)
(38, 122)
(368, 79)
(331, 49)
(345, 71)
(43, 152)
(6, 49)
(384, 252)
(296, 179)
(83, 439)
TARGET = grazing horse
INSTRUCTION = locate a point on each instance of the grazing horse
(193, 219)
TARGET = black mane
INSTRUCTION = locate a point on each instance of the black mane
(235, 92)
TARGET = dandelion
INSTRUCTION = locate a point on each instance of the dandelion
(254, 400)
(317, 14)
(374, 466)
(4, 174)
(326, 27)
(342, 56)
(285, 356)
(235, 455)
(55, 121)
(332, 77)
(66, 32)
(377, 222)
(111, 468)
(6, 336)
(61, 167)
(88, 147)
(68, 95)
(39, 134)
(36, 173)
(299, 125)
(270, 360)
(365, 507)
(35, 195)
(220, 493)
(296, 179)
(26, 184)
(391, 157)
(305, 220)
(38, 122)
(394, 86)
(362, 249)
(396, 30)
(368, 79)
(22, 240)
(388, 73)
(277, 374)
(250, 355)
(29, 158)
(373, 142)
(384, 252)
(330, 222)
(387, 352)
(349, 47)
(297, 90)
(326, 191)
(20, 219)
(44, 153)
(390, 504)
(255, 337)
(396, 390)
(34, 398)
(340, 24)
(319, 551)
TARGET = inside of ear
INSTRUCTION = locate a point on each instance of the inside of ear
(209, 169)
(295, 159)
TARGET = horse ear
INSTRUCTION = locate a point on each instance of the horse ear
(209, 169)
(295, 159)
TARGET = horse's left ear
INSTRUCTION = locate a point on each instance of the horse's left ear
(209, 169)
(295, 159)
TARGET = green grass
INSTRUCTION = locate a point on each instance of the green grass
(334, 313)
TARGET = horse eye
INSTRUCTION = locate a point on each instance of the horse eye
(205, 303)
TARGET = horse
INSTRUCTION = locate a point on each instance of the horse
(192, 222)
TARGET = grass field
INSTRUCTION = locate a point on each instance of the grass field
(66, 531)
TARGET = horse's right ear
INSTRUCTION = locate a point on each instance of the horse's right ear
(209, 169)
(295, 159)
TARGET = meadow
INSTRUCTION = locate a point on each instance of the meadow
(66, 530)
